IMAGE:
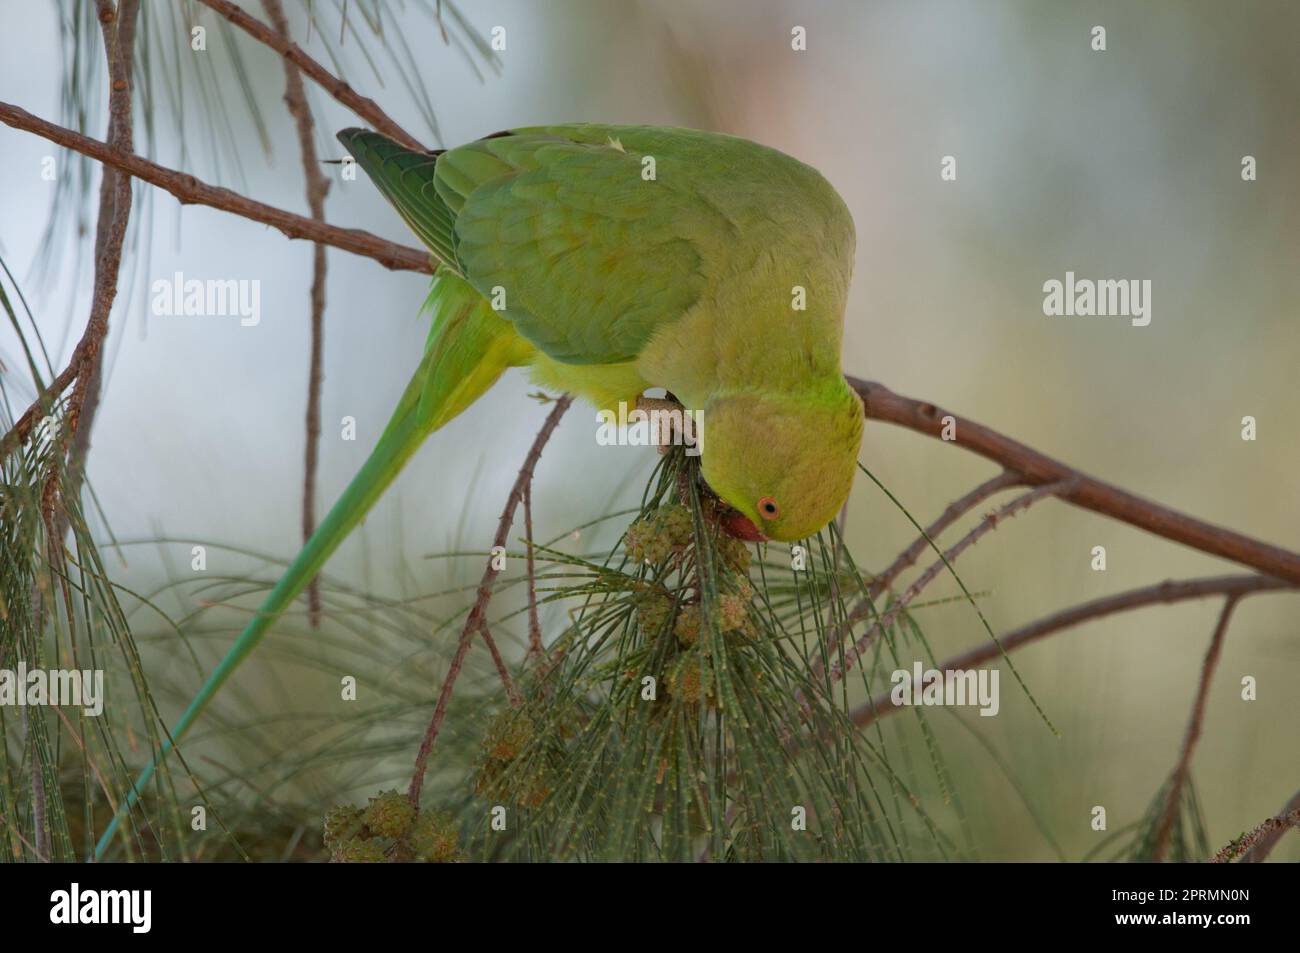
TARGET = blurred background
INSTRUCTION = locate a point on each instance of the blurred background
(1117, 164)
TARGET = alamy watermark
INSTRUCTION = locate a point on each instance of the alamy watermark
(179, 296)
(1105, 297)
(656, 427)
(77, 906)
(60, 687)
(922, 686)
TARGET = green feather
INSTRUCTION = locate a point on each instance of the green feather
(406, 179)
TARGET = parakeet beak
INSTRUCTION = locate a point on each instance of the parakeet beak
(740, 526)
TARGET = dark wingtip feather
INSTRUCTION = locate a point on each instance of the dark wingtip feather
(350, 136)
(344, 135)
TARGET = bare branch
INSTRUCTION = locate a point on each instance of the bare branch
(278, 40)
(986, 525)
(1179, 776)
(295, 97)
(119, 52)
(1167, 592)
(955, 511)
(190, 191)
(535, 647)
(22, 427)
(109, 258)
(1260, 842)
(1089, 493)
(477, 620)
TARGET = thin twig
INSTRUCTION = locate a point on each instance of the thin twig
(278, 40)
(38, 790)
(1259, 847)
(1167, 592)
(478, 614)
(985, 526)
(1179, 776)
(191, 191)
(25, 842)
(110, 257)
(955, 511)
(318, 186)
(87, 350)
(1269, 832)
(535, 648)
(22, 427)
(442, 28)
(88, 756)
(119, 53)
(837, 552)
(880, 403)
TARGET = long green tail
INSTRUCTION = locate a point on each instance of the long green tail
(469, 346)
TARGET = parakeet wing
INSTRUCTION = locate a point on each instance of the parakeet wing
(407, 180)
(560, 228)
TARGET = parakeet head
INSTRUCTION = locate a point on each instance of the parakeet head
(785, 466)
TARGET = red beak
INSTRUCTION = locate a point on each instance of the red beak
(740, 526)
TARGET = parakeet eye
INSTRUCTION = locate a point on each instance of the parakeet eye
(768, 509)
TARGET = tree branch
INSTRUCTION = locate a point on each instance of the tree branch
(535, 647)
(955, 511)
(191, 191)
(1179, 776)
(985, 526)
(881, 403)
(119, 53)
(295, 97)
(477, 620)
(108, 260)
(278, 40)
(1167, 592)
(1259, 843)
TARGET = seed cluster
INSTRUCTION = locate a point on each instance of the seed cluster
(666, 532)
(515, 767)
(504, 774)
(390, 830)
(668, 599)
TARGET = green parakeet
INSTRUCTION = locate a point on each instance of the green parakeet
(611, 260)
